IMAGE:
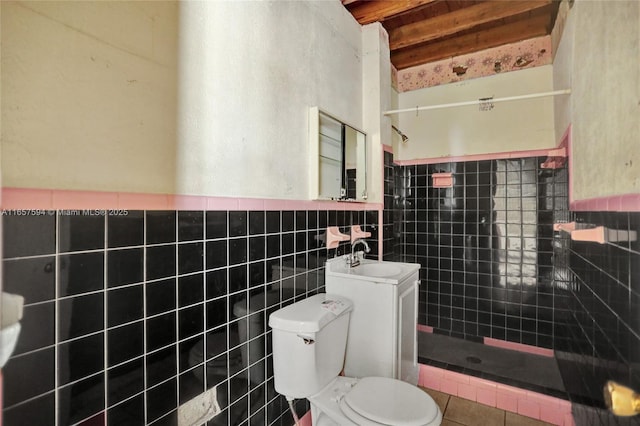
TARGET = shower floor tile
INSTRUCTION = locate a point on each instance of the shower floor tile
(524, 370)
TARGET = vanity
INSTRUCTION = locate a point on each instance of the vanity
(382, 337)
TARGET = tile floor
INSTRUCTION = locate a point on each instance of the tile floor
(462, 412)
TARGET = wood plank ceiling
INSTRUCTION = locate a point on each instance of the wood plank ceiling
(423, 31)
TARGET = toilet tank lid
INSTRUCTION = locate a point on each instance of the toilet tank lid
(311, 314)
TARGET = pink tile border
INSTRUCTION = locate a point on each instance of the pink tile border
(518, 347)
(305, 420)
(531, 404)
(387, 148)
(424, 328)
(54, 199)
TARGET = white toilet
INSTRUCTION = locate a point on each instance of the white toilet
(309, 342)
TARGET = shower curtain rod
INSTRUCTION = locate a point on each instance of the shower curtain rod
(479, 102)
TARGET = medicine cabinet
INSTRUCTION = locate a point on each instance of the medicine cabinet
(338, 158)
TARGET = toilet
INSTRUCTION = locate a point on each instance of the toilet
(309, 343)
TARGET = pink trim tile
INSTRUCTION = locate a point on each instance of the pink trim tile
(528, 408)
(483, 384)
(449, 386)
(424, 328)
(187, 202)
(84, 200)
(132, 201)
(250, 204)
(487, 397)
(456, 377)
(555, 416)
(467, 391)
(387, 148)
(222, 203)
(431, 382)
(568, 420)
(26, 198)
(306, 419)
(507, 402)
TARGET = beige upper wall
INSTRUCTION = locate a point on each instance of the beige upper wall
(510, 126)
(89, 95)
(598, 56)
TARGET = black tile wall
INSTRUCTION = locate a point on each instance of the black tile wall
(603, 330)
(485, 246)
(129, 316)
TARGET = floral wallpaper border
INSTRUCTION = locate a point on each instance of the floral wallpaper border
(530, 53)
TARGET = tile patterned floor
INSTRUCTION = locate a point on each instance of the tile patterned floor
(462, 412)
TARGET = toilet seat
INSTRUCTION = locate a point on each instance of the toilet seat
(385, 401)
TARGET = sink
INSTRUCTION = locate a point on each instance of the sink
(371, 270)
(382, 269)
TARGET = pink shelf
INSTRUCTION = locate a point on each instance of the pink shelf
(357, 232)
(442, 180)
(597, 234)
(334, 236)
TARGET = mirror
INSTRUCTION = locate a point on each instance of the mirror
(338, 159)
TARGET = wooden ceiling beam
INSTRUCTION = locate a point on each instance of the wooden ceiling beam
(456, 46)
(460, 20)
(367, 12)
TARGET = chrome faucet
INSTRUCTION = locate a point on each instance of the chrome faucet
(354, 260)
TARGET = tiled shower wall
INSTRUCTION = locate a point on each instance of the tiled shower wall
(604, 322)
(129, 314)
(486, 248)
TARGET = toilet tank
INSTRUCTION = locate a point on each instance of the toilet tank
(309, 342)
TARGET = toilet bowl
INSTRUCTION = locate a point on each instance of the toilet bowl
(373, 401)
(309, 342)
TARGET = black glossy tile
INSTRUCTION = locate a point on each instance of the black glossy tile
(161, 331)
(301, 220)
(216, 283)
(82, 400)
(256, 248)
(124, 305)
(161, 365)
(130, 412)
(80, 315)
(216, 224)
(124, 381)
(273, 245)
(216, 254)
(237, 251)
(238, 279)
(80, 273)
(34, 278)
(82, 232)
(256, 222)
(256, 274)
(161, 400)
(190, 353)
(125, 342)
(189, 385)
(125, 230)
(37, 328)
(190, 321)
(190, 257)
(272, 222)
(288, 244)
(161, 227)
(237, 223)
(161, 296)
(190, 225)
(80, 358)
(161, 262)
(288, 221)
(28, 376)
(216, 313)
(28, 235)
(190, 290)
(39, 411)
(124, 267)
